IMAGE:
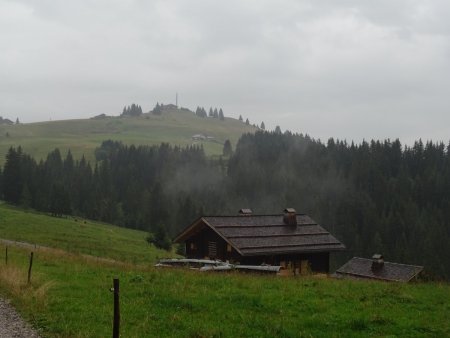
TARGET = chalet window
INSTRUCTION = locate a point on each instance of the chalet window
(193, 246)
(228, 248)
(212, 249)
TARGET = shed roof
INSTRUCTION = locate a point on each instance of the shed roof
(253, 235)
(362, 268)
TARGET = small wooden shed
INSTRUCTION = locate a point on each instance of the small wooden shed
(292, 240)
(377, 269)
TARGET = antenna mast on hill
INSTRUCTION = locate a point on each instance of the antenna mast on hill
(176, 99)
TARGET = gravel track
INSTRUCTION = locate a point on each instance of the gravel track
(12, 325)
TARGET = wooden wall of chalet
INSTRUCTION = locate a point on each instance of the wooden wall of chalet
(317, 262)
(207, 244)
(200, 245)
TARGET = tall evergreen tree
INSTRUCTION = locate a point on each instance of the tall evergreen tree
(227, 150)
(12, 176)
(157, 110)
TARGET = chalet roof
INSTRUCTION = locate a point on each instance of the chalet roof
(253, 235)
(362, 268)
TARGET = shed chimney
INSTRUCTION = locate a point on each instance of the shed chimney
(245, 212)
(290, 216)
(377, 262)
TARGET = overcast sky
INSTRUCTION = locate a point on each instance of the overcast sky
(347, 69)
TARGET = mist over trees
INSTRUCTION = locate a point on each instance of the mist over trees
(375, 197)
(138, 187)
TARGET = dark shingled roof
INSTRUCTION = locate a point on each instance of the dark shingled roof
(253, 235)
(362, 268)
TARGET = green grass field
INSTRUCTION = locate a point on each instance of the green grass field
(84, 135)
(80, 236)
(69, 295)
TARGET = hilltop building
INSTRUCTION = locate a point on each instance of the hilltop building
(291, 240)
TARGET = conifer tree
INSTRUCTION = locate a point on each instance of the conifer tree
(227, 150)
(12, 176)
(157, 110)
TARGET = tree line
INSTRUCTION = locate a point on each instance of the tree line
(218, 114)
(134, 110)
(376, 196)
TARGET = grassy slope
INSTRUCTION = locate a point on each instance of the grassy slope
(84, 135)
(69, 295)
(86, 237)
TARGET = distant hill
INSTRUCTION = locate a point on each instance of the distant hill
(82, 136)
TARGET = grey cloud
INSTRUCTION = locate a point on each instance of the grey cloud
(351, 69)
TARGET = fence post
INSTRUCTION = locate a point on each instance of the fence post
(116, 322)
(6, 256)
(29, 269)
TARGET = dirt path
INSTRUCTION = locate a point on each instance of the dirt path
(32, 246)
(19, 244)
(12, 325)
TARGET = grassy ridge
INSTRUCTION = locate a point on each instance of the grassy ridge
(69, 294)
(84, 135)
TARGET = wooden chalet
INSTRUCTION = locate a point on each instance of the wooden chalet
(291, 240)
(377, 269)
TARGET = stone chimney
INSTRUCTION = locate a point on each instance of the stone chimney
(377, 262)
(290, 217)
(245, 212)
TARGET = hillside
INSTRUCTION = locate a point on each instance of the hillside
(69, 294)
(77, 236)
(82, 136)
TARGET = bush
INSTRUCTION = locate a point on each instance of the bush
(160, 238)
(181, 249)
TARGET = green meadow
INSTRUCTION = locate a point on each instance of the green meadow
(82, 136)
(69, 294)
(78, 236)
